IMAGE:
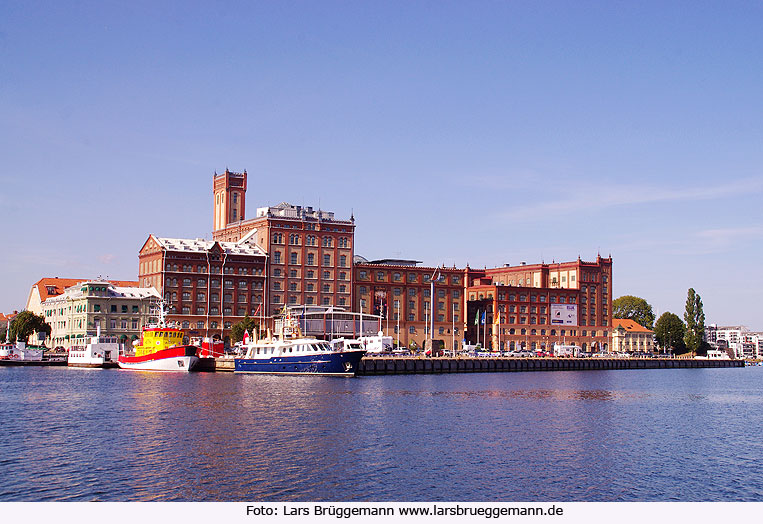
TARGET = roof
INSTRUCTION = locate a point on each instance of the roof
(396, 262)
(245, 246)
(9, 316)
(629, 325)
(75, 291)
(53, 286)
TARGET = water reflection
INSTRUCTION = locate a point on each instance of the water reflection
(647, 435)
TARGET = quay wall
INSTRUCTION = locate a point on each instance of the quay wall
(402, 366)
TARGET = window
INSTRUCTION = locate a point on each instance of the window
(326, 260)
(200, 324)
(380, 276)
(96, 307)
(412, 329)
(311, 259)
(411, 292)
(293, 257)
(326, 275)
(135, 309)
(343, 260)
(292, 286)
(411, 318)
(277, 257)
(124, 309)
(411, 304)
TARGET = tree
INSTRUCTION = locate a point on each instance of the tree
(26, 323)
(634, 308)
(247, 324)
(695, 322)
(669, 331)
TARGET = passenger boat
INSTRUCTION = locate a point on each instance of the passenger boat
(160, 348)
(100, 352)
(292, 354)
(20, 352)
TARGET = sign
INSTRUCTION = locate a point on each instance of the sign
(564, 314)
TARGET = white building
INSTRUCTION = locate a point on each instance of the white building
(81, 309)
(743, 342)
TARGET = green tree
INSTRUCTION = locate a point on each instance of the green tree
(26, 323)
(695, 322)
(238, 329)
(634, 308)
(669, 331)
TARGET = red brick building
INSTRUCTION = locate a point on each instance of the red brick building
(401, 292)
(208, 285)
(310, 252)
(534, 306)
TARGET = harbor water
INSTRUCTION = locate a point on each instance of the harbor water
(619, 435)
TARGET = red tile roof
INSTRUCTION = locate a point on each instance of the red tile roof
(629, 325)
(51, 287)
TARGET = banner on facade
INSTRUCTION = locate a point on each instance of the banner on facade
(564, 314)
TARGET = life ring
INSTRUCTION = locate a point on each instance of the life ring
(348, 366)
(15, 355)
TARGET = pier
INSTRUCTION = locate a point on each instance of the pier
(389, 365)
(409, 366)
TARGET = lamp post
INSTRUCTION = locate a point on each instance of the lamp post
(431, 306)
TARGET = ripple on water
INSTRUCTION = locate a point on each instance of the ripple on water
(606, 436)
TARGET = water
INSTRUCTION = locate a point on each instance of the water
(646, 435)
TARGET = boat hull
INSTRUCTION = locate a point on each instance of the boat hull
(93, 364)
(343, 364)
(181, 358)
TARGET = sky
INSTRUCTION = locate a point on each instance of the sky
(455, 132)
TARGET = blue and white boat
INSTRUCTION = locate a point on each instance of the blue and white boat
(298, 356)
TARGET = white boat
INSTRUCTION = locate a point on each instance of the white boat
(100, 352)
(20, 352)
(298, 356)
(293, 354)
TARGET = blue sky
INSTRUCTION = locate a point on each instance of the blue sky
(479, 132)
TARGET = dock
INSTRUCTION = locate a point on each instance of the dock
(411, 366)
(389, 365)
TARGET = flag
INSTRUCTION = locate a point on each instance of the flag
(257, 310)
(483, 316)
(477, 318)
(246, 336)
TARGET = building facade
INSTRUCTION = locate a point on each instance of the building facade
(207, 285)
(310, 252)
(630, 337)
(48, 287)
(739, 339)
(532, 307)
(84, 308)
(401, 292)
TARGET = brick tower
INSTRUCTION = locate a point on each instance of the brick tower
(230, 197)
